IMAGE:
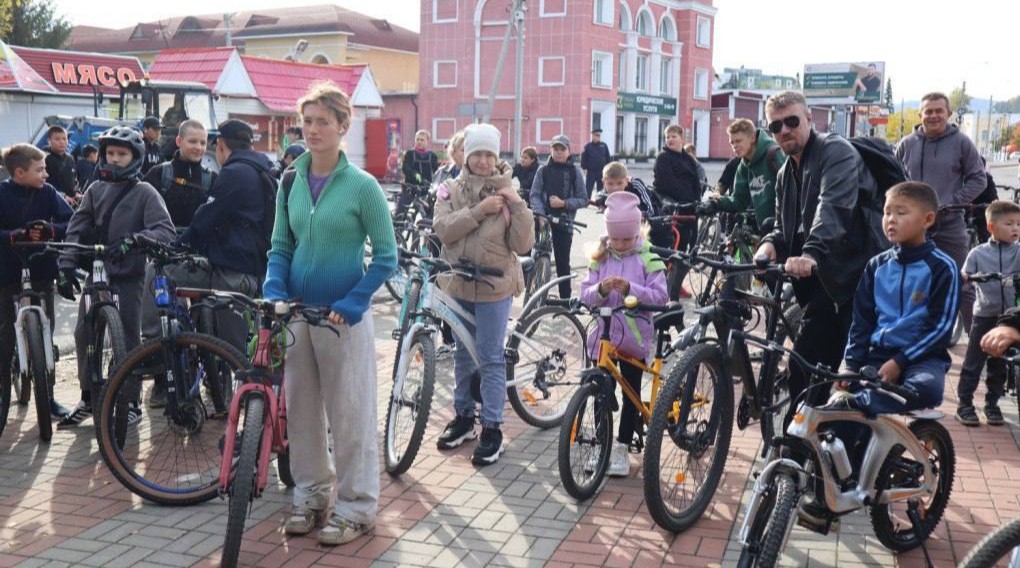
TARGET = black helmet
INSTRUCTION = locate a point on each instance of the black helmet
(125, 137)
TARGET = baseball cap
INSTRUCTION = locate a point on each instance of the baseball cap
(151, 122)
(560, 139)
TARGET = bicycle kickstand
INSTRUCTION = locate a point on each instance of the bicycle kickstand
(915, 520)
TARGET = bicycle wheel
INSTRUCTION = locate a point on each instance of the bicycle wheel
(893, 527)
(407, 307)
(218, 379)
(168, 459)
(410, 403)
(5, 398)
(397, 281)
(771, 523)
(1001, 545)
(108, 347)
(585, 441)
(242, 488)
(776, 383)
(283, 469)
(958, 332)
(542, 275)
(688, 438)
(544, 373)
(40, 374)
(709, 233)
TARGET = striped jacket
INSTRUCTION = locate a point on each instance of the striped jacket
(904, 308)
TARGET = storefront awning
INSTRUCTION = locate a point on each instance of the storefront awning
(77, 72)
(16, 75)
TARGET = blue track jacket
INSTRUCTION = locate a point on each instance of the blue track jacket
(904, 308)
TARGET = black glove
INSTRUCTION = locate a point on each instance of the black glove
(18, 235)
(67, 283)
(120, 250)
(39, 230)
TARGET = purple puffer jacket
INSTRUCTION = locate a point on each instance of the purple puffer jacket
(633, 336)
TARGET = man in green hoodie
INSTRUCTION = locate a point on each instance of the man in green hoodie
(755, 181)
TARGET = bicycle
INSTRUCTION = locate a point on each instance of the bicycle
(105, 343)
(538, 266)
(1002, 544)
(678, 444)
(676, 214)
(33, 366)
(903, 463)
(244, 465)
(586, 433)
(171, 456)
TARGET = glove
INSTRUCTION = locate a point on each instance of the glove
(121, 249)
(67, 283)
(39, 230)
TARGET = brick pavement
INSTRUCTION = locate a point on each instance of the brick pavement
(60, 507)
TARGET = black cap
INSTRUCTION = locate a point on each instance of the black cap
(238, 130)
(597, 131)
(151, 122)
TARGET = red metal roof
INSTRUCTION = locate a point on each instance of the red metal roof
(201, 65)
(75, 72)
(280, 84)
(16, 75)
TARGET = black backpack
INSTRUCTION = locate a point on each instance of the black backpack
(881, 161)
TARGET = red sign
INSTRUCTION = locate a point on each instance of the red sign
(87, 74)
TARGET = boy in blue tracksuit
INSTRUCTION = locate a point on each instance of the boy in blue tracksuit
(905, 306)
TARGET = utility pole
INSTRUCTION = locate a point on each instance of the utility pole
(227, 20)
(518, 19)
(514, 6)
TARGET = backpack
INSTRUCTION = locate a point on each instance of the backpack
(287, 182)
(167, 177)
(880, 159)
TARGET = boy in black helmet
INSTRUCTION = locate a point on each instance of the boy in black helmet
(115, 207)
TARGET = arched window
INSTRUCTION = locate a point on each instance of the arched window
(645, 26)
(667, 29)
(625, 25)
(320, 59)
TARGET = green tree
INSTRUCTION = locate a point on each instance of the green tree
(901, 123)
(1010, 106)
(889, 104)
(33, 23)
(959, 100)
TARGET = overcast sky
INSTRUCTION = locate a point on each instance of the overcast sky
(925, 47)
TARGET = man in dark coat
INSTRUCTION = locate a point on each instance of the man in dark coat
(594, 157)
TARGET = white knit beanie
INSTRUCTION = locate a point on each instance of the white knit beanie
(481, 137)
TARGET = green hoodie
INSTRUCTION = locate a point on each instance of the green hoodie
(756, 181)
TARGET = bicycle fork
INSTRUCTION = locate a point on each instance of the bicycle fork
(22, 339)
(270, 436)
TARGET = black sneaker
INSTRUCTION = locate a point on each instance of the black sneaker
(994, 416)
(58, 411)
(82, 412)
(967, 416)
(489, 448)
(459, 430)
(134, 414)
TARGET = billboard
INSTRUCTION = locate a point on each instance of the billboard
(855, 82)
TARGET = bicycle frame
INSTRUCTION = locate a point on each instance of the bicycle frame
(607, 352)
(25, 306)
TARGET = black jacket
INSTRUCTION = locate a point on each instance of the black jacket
(152, 156)
(840, 232)
(676, 176)
(233, 227)
(526, 175)
(60, 170)
(18, 206)
(416, 164)
(595, 157)
(184, 190)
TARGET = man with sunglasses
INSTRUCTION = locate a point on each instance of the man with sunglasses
(827, 228)
(938, 154)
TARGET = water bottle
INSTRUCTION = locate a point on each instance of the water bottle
(162, 291)
(835, 450)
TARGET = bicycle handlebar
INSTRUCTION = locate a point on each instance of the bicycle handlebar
(468, 269)
(561, 220)
(968, 207)
(721, 265)
(990, 276)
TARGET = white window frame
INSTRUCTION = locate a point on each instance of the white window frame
(665, 76)
(625, 12)
(701, 78)
(621, 71)
(435, 130)
(645, 14)
(608, 13)
(538, 129)
(641, 83)
(435, 74)
(706, 24)
(607, 69)
(543, 13)
(541, 71)
(667, 19)
(435, 12)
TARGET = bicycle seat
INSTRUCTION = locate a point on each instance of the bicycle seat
(672, 318)
(527, 263)
(424, 223)
(924, 414)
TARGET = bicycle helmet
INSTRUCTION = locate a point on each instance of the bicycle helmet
(124, 137)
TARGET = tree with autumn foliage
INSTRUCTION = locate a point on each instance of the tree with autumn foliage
(901, 123)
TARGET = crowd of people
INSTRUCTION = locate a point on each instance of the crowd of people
(298, 228)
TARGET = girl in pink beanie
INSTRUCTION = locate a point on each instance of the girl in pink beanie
(624, 266)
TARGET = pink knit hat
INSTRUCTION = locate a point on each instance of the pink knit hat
(623, 218)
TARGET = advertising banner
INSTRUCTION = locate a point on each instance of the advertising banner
(856, 82)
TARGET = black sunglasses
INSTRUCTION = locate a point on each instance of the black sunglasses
(791, 122)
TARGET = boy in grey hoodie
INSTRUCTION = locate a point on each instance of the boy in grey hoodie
(1000, 254)
(137, 208)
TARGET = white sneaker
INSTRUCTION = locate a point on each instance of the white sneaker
(619, 461)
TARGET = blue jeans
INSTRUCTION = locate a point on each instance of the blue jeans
(927, 378)
(489, 334)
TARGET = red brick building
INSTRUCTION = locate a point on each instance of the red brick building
(630, 67)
